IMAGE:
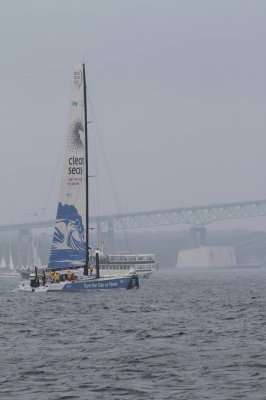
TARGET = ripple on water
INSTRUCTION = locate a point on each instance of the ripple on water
(183, 335)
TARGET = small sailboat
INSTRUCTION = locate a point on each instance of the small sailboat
(8, 270)
(3, 264)
(33, 259)
(12, 272)
(68, 268)
(11, 264)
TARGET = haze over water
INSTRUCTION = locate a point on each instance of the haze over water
(178, 92)
(188, 334)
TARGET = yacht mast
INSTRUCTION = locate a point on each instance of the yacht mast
(86, 171)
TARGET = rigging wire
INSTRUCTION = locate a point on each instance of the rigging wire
(96, 208)
(107, 168)
(48, 197)
(97, 189)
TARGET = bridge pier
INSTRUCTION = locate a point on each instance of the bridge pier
(198, 236)
(108, 238)
(201, 255)
(21, 243)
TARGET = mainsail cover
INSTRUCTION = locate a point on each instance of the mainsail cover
(69, 240)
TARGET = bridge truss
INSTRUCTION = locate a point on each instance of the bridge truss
(202, 215)
(194, 216)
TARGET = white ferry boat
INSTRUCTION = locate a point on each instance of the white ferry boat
(143, 264)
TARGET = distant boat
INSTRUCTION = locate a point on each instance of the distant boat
(70, 245)
(11, 264)
(3, 264)
(8, 271)
(33, 259)
(142, 264)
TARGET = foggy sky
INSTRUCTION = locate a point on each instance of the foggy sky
(178, 89)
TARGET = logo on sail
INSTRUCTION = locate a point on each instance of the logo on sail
(76, 135)
(77, 78)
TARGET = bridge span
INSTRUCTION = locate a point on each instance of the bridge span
(195, 216)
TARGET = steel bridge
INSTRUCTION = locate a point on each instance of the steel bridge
(195, 216)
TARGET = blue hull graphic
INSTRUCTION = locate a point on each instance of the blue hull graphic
(96, 284)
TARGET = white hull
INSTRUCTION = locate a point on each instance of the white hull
(83, 284)
(143, 273)
(118, 272)
(9, 275)
(24, 286)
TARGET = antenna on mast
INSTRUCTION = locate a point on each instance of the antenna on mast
(84, 61)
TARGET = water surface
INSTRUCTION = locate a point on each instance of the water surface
(188, 334)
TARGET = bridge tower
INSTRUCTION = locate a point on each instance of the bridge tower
(108, 238)
(198, 236)
(22, 242)
(201, 255)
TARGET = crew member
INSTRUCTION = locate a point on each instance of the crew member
(43, 278)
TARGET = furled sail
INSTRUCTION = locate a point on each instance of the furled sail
(69, 240)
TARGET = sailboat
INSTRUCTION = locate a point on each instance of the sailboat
(12, 272)
(68, 268)
(3, 264)
(33, 259)
(8, 271)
